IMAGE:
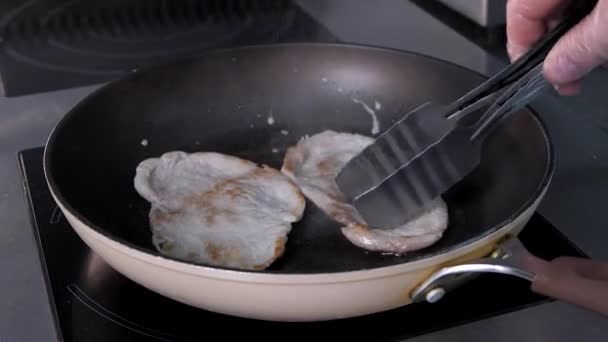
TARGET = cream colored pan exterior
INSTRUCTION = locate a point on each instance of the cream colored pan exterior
(283, 297)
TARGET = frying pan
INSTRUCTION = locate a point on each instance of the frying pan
(220, 101)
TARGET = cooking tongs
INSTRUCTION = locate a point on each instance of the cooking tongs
(433, 147)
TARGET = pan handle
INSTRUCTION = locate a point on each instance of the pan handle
(578, 281)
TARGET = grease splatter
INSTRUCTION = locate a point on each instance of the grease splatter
(372, 113)
(377, 105)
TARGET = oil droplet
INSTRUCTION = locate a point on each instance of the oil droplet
(372, 113)
(377, 105)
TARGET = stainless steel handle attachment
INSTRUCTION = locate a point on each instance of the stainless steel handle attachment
(509, 258)
(579, 281)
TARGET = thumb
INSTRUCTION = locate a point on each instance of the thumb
(580, 50)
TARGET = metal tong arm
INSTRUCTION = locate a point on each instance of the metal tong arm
(489, 90)
(520, 94)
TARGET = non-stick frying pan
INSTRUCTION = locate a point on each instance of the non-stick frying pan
(220, 102)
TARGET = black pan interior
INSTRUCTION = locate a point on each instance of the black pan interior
(221, 101)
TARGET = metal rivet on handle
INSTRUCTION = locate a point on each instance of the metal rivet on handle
(434, 295)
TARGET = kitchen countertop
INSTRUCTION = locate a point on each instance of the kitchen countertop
(574, 203)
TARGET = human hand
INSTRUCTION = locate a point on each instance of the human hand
(579, 281)
(578, 52)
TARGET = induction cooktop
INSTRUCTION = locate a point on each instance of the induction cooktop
(48, 45)
(92, 302)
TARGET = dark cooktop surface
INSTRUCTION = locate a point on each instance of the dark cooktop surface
(67, 43)
(92, 302)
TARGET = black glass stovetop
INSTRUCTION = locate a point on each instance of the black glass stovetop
(48, 45)
(92, 302)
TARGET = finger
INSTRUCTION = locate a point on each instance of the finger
(580, 50)
(569, 287)
(527, 22)
(575, 280)
(592, 269)
(569, 89)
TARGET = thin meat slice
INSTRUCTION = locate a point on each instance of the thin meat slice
(314, 162)
(217, 209)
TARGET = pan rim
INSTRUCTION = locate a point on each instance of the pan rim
(59, 197)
